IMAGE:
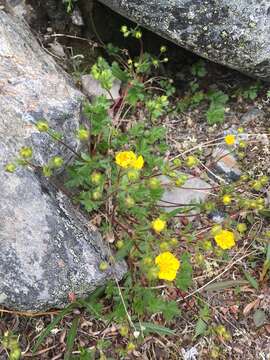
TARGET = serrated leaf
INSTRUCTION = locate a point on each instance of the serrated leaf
(201, 327)
(259, 318)
(118, 72)
(253, 282)
(184, 276)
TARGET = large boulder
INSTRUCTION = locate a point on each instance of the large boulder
(234, 33)
(48, 249)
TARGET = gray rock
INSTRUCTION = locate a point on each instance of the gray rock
(225, 163)
(19, 8)
(92, 88)
(251, 116)
(229, 32)
(34, 87)
(48, 249)
(194, 191)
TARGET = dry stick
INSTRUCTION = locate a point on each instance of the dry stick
(66, 145)
(72, 37)
(40, 352)
(29, 314)
(213, 174)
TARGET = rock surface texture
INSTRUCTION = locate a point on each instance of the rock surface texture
(47, 248)
(194, 191)
(229, 32)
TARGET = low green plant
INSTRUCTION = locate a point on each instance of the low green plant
(10, 343)
(116, 176)
(252, 91)
(199, 69)
(216, 111)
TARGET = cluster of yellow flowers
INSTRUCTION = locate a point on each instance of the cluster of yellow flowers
(129, 160)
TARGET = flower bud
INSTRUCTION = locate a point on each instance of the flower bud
(174, 242)
(119, 244)
(241, 155)
(199, 259)
(124, 29)
(207, 245)
(83, 134)
(191, 161)
(103, 266)
(177, 162)
(179, 182)
(241, 227)
(97, 195)
(242, 144)
(96, 178)
(154, 183)
(47, 171)
(42, 126)
(138, 34)
(163, 49)
(124, 330)
(57, 162)
(133, 175)
(129, 202)
(152, 273)
(131, 347)
(164, 246)
(147, 260)
(26, 152)
(10, 167)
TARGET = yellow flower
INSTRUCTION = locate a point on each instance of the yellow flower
(226, 199)
(230, 139)
(158, 225)
(225, 239)
(168, 265)
(125, 159)
(128, 159)
(138, 163)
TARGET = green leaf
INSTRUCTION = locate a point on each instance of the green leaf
(215, 114)
(184, 277)
(154, 328)
(225, 285)
(253, 282)
(135, 93)
(169, 309)
(201, 327)
(119, 73)
(71, 338)
(259, 318)
(51, 326)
